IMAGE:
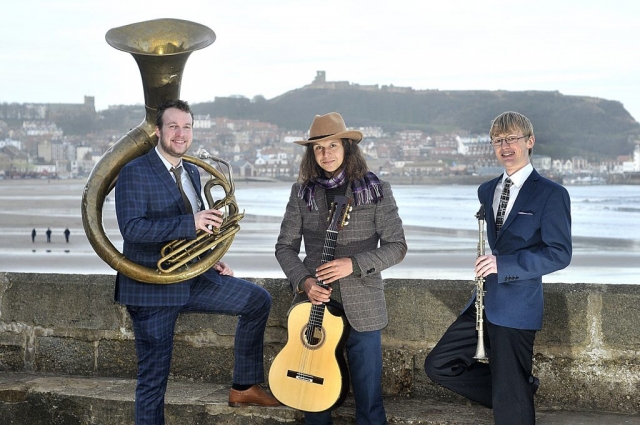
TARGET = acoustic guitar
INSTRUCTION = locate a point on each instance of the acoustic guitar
(310, 373)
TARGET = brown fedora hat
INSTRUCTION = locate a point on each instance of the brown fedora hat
(330, 126)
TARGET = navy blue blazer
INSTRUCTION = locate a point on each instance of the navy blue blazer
(535, 240)
(150, 213)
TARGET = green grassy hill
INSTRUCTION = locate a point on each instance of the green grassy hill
(564, 125)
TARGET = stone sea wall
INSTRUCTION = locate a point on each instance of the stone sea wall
(586, 356)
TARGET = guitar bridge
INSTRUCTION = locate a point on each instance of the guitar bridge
(305, 377)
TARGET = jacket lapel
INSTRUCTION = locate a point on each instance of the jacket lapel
(165, 177)
(194, 175)
(523, 195)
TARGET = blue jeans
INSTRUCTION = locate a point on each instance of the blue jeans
(364, 356)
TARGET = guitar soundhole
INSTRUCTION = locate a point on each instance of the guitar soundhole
(313, 336)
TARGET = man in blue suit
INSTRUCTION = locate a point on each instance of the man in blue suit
(529, 233)
(151, 211)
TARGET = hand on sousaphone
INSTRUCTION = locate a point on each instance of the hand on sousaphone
(206, 219)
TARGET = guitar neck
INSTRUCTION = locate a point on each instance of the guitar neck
(329, 249)
(339, 215)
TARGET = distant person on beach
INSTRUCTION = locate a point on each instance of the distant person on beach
(332, 166)
(67, 232)
(33, 235)
(48, 232)
(528, 220)
(152, 211)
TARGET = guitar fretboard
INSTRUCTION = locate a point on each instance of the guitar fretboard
(328, 251)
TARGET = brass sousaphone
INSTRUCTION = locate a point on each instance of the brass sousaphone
(161, 48)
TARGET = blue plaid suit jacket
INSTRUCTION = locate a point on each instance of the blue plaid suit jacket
(150, 213)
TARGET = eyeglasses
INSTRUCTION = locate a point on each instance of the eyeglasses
(508, 140)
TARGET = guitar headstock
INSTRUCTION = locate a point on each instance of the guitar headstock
(339, 213)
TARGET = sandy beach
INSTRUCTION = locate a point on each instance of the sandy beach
(433, 253)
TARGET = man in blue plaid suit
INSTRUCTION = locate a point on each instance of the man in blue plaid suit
(152, 211)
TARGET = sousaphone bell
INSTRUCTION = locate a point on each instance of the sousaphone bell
(161, 48)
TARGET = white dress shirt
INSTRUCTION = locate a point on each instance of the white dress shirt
(518, 178)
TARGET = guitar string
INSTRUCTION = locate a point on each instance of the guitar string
(317, 311)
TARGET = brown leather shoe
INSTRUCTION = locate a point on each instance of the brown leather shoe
(254, 396)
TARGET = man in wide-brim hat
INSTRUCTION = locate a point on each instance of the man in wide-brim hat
(333, 168)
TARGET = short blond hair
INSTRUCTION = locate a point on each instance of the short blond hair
(510, 122)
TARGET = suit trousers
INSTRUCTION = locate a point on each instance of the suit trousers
(503, 383)
(154, 329)
(364, 356)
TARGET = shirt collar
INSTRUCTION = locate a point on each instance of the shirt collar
(519, 177)
(167, 163)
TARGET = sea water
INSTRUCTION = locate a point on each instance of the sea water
(440, 227)
(596, 211)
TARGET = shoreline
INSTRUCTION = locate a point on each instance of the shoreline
(434, 253)
(474, 180)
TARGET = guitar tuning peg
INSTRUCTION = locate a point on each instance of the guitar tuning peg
(345, 223)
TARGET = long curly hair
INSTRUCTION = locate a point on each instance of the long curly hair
(354, 163)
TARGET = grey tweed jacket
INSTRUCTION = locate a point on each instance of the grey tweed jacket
(374, 237)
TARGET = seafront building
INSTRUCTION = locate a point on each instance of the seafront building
(41, 149)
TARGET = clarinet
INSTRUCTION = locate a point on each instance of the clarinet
(480, 352)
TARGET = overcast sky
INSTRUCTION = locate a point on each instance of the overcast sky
(55, 51)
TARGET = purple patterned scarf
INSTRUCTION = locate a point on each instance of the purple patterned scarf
(368, 190)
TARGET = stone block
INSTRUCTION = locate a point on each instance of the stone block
(12, 352)
(398, 371)
(66, 301)
(202, 363)
(620, 313)
(421, 311)
(588, 385)
(117, 358)
(281, 301)
(565, 320)
(66, 356)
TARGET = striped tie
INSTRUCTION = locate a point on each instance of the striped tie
(187, 204)
(504, 200)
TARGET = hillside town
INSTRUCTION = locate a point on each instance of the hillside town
(35, 146)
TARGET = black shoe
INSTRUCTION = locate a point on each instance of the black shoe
(535, 383)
